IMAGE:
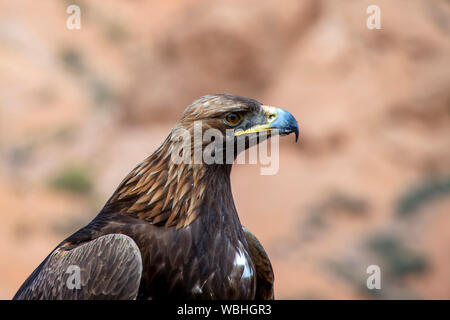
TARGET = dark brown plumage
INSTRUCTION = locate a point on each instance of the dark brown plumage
(170, 230)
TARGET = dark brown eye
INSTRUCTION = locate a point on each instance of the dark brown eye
(233, 119)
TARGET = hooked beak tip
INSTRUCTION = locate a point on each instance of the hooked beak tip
(286, 123)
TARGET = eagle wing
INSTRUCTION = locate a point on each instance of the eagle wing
(108, 267)
(264, 271)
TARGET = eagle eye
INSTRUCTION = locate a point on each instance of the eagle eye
(233, 118)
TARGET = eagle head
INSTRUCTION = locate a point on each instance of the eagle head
(171, 186)
(230, 121)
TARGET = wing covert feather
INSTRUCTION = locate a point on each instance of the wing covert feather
(110, 267)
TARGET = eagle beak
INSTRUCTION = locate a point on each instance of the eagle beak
(276, 118)
(282, 120)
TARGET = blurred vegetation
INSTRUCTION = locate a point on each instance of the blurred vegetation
(100, 91)
(73, 60)
(115, 31)
(75, 179)
(399, 259)
(348, 203)
(416, 197)
(65, 133)
(395, 259)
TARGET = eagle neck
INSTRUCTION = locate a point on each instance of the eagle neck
(170, 194)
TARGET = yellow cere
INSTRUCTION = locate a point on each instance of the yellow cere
(271, 115)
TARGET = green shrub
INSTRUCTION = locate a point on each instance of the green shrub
(73, 60)
(400, 260)
(416, 197)
(73, 179)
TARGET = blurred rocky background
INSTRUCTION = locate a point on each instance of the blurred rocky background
(368, 182)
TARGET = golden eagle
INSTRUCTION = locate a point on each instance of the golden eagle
(171, 229)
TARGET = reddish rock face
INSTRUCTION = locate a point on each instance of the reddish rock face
(366, 184)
